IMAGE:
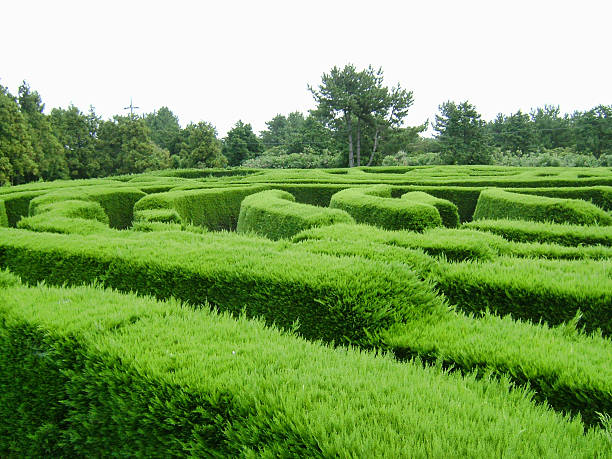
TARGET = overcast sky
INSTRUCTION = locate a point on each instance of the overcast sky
(250, 60)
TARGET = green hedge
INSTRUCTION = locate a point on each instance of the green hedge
(68, 217)
(85, 371)
(375, 206)
(117, 202)
(17, 205)
(526, 231)
(454, 245)
(3, 217)
(601, 196)
(499, 204)
(447, 210)
(214, 208)
(531, 289)
(567, 370)
(275, 214)
(64, 225)
(549, 290)
(334, 300)
(157, 215)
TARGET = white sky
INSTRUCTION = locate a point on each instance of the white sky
(250, 60)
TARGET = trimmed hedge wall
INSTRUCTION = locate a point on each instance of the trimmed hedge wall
(117, 202)
(566, 369)
(157, 215)
(447, 210)
(499, 204)
(275, 214)
(601, 196)
(530, 289)
(215, 208)
(375, 206)
(525, 231)
(17, 205)
(334, 300)
(3, 217)
(85, 371)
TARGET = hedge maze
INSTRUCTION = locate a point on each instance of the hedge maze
(396, 312)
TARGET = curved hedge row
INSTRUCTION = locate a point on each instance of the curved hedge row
(526, 231)
(375, 206)
(333, 300)
(276, 215)
(447, 210)
(498, 204)
(117, 202)
(85, 371)
(214, 208)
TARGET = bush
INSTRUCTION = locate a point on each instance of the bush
(334, 300)
(529, 289)
(157, 215)
(117, 202)
(275, 214)
(499, 204)
(215, 208)
(3, 217)
(375, 206)
(17, 205)
(526, 231)
(447, 210)
(85, 370)
(567, 370)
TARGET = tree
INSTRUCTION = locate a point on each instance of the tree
(198, 146)
(77, 132)
(165, 128)
(356, 102)
(241, 144)
(593, 130)
(550, 128)
(125, 147)
(48, 152)
(513, 133)
(295, 134)
(16, 160)
(462, 134)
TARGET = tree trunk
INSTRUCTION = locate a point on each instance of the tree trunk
(358, 143)
(350, 137)
(374, 148)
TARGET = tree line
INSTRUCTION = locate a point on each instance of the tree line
(357, 121)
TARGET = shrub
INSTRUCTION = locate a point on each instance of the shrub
(214, 208)
(499, 204)
(157, 215)
(334, 300)
(85, 370)
(117, 202)
(525, 231)
(275, 214)
(447, 210)
(375, 206)
(566, 369)
(3, 216)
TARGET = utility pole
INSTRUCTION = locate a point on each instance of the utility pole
(131, 107)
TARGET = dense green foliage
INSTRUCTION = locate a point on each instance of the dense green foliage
(215, 209)
(231, 275)
(447, 210)
(375, 206)
(526, 231)
(499, 204)
(133, 377)
(275, 214)
(509, 298)
(532, 355)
